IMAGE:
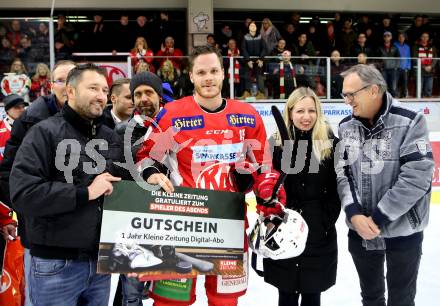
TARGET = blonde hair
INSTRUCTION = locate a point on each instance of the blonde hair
(167, 74)
(37, 73)
(269, 22)
(321, 129)
(144, 44)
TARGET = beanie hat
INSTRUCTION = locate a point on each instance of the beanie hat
(167, 93)
(146, 78)
(13, 100)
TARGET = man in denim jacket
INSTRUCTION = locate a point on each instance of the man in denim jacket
(384, 181)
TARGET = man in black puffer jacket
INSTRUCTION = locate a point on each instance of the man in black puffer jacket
(62, 170)
(42, 108)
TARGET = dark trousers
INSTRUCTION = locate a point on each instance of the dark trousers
(291, 299)
(402, 83)
(401, 277)
(390, 76)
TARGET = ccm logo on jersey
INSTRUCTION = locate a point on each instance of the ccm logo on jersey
(218, 132)
(189, 123)
(241, 120)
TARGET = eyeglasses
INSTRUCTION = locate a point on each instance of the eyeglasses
(60, 82)
(351, 95)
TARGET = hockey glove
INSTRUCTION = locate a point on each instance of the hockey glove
(263, 189)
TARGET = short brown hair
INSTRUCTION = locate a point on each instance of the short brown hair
(200, 50)
(117, 86)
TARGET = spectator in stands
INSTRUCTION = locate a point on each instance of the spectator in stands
(15, 34)
(295, 19)
(269, 34)
(372, 39)
(14, 107)
(40, 82)
(427, 54)
(279, 48)
(236, 69)
(337, 23)
(315, 38)
(164, 27)
(362, 58)
(363, 24)
(348, 37)
(223, 37)
(405, 65)
(210, 41)
(290, 35)
(141, 28)
(65, 35)
(426, 24)
(330, 41)
(186, 87)
(361, 46)
(336, 67)
(387, 26)
(41, 43)
(97, 35)
(243, 30)
(27, 53)
(141, 53)
(285, 76)
(253, 50)
(7, 55)
(305, 49)
(415, 30)
(16, 81)
(389, 66)
(143, 67)
(168, 74)
(122, 35)
(167, 50)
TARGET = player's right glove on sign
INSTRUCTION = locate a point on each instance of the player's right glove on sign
(263, 189)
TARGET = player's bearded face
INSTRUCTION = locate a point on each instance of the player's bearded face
(207, 76)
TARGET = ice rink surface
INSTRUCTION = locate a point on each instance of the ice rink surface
(346, 292)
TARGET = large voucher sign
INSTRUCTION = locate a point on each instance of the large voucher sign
(177, 235)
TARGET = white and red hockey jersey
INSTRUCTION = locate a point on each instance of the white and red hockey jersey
(199, 147)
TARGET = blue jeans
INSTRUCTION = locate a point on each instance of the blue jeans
(132, 291)
(27, 274)
(402, 269)
(427, 82)
(68, 283)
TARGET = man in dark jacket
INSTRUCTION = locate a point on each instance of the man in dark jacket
(42, 108)
(253, 50)
(62, 170)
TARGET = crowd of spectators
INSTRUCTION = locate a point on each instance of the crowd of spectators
(271, 60)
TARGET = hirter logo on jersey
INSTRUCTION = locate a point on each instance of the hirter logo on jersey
(241, 120)
(215, 177)
(188, 123)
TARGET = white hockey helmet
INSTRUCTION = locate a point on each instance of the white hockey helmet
(278, 237)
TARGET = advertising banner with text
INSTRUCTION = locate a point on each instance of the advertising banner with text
(177, 235)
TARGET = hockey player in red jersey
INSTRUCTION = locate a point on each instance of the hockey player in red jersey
(207, 142)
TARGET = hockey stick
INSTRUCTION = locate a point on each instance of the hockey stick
(284, 134)
(202, 265)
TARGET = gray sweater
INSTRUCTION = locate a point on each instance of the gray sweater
(385, 171)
